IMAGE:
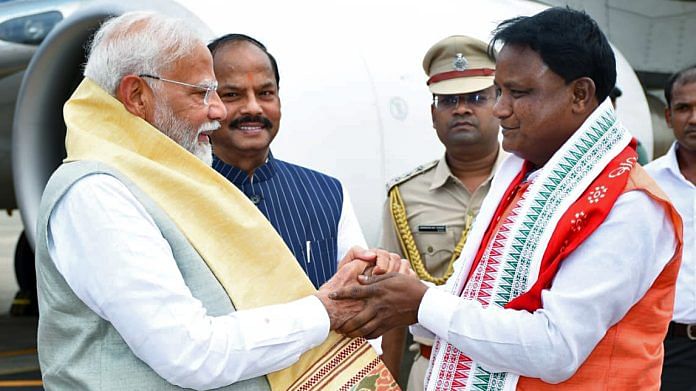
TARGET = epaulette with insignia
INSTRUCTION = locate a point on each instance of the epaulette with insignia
(418, 170)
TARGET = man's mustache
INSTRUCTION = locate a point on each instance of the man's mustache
(209, 127)
(463, 119)
(251, 118)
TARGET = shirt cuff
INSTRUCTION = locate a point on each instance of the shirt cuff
(421, 334)
(316, 319)
(376, 344)
(436, 310)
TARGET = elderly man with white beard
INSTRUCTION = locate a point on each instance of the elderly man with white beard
(154, 272)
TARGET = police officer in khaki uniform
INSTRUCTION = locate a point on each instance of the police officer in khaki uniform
(429, 211)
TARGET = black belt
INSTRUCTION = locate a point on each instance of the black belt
(681, 330)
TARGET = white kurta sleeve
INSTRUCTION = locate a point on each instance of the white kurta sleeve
(594, 288)
(113, 256)
(349, 232)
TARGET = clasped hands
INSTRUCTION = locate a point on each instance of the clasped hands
(372, 291)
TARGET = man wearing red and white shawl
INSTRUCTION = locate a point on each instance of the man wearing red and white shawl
(568, 274)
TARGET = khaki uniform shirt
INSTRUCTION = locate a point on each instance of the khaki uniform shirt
(437, 204)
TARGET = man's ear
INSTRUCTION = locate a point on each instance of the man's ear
(136, 96)
(432, 114)
(584, 100)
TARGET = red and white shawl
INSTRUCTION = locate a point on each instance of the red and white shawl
(509, 266)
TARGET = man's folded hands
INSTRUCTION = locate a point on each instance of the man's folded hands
(372, 292)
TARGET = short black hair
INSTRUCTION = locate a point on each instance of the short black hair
(569, 42)
(229, 38)
(685, 76)
(615, 93)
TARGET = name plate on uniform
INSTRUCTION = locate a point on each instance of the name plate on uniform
(432, 228)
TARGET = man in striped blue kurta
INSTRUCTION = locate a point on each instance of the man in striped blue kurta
(311, 211)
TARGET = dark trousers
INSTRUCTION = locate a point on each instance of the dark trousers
(679, 369)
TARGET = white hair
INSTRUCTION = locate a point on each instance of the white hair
(136, 43)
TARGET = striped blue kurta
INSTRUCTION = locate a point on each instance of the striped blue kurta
(303, 205)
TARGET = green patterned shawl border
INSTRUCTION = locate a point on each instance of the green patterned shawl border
(572, 163)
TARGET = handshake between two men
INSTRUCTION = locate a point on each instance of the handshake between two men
(372, 292)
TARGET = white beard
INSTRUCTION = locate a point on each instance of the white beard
(183, 133)
(204, 152)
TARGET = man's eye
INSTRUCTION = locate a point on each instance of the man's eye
(476, 99)
(450, 100)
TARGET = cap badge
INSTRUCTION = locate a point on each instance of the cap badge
(460, 63)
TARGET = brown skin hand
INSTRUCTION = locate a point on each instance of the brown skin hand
(393, 340)
(358, 253)
(383, 261)
(347, 276)
(391, 300)
(357, 262)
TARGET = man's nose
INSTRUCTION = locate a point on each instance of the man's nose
(252, 106)
(502, 108)
(216, 109)
(462, 106)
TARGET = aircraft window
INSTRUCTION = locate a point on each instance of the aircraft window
(31, 29)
